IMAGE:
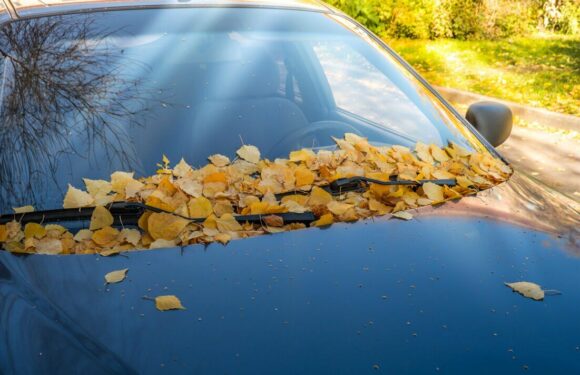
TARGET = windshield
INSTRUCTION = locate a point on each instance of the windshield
(85, 95)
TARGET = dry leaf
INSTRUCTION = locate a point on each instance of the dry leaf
(527, 289)
(170, 302)
(403, 215)
(165, 226)
(249, 153)
(100, 218)
(220, 160)
(23, 210)
(76, 198)
(199, 207)
(116, 276)
(433, 192)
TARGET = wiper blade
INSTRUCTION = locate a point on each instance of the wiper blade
(128, 213)
(358, 183)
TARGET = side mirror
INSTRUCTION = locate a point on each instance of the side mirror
(493, 120)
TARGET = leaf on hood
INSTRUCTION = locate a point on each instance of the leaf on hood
(249, 153)
(116, 276)
(165, 226)
(404, 215)
(527, 289)
(169, 302)
(100, 218)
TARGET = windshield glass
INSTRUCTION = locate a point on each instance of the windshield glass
(85, 95)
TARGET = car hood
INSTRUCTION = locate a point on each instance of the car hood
(399, 296)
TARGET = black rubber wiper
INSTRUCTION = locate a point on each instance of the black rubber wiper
(360, 184)
(128, 213)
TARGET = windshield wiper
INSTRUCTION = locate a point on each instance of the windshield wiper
(128, 213)
(361, 183)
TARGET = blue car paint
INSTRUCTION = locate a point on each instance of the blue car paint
(376, 296)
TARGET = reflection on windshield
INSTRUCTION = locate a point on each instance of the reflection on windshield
(58, 92)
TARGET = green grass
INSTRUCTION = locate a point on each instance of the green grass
(542, 71)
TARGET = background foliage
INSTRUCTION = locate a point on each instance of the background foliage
(463, 19)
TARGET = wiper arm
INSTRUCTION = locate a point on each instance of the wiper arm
(128, 213)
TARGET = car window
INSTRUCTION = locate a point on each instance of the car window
(362, 89)
(83, 95)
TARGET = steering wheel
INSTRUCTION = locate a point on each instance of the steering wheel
(317, 134)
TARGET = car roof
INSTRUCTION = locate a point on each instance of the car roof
(24, 8)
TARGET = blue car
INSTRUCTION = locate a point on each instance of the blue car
(94, 87)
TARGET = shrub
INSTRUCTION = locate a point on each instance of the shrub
(463, 19)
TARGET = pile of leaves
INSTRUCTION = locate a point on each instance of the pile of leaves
(250, 185)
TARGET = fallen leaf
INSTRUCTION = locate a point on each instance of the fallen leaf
(100, 218)
(116, 276)
(170, 302)
(403, 215)
(249, 153)
(324, 220)
(23, 210)
(49, 246)
(76, 198)
(433, 192)
(273, 221)
(220, 160)
(199, 207)
(34, 230)
(106, 236)
(527, 289)
(165, 226)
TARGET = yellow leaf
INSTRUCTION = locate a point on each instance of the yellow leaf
(132, 236)
(83, 235)
(220, 160)
(464, 181)
(223, 238)
(34, 230)
(323, 221)
(165, 226)
(170, 302)
(190, 186)
(98, 188)
(119, 181)
(424, 153)
(132, 188)
(319, 197)
(433, 192)
(228, 223)
(49, 246)
(527, 289)
(438, 154)
(76, 198)
(106, 236)
(162, 244)
(23, 210)
(338, 208)
(302, 155)
(403, 215)
(304, 176)
(116, 276)
(249, 153)
(262, 208)
(100, 218)
(182, 169)
(199, 207)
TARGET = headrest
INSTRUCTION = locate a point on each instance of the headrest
(254, 75)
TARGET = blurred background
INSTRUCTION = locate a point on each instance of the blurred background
(525, 52)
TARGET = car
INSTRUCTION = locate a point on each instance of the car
(90, 88)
